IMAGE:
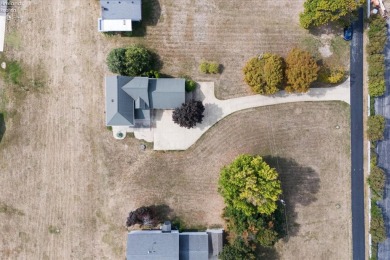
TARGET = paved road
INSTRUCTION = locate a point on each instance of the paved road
(382, 107)
(358, 234)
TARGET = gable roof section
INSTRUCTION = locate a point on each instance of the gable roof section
(137, 88)
(215, 242)
(119, 105)
(194, 246)
(121, 9)
(152, 245)
(166, 93)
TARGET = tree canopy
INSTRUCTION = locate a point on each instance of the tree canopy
(189, 114)
(250, 185)
(251, 189)
(134, 60)
(301, 70)
(320, 12)
(237, 250)
(265, 74)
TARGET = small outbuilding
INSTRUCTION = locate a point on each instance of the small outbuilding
(118, 15)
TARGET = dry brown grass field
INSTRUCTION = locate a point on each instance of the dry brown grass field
(66, 186)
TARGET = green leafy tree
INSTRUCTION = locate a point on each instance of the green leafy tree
(301, 70)
(116, 61)
(237, 250)
(250, 185)
(134, 60)
(320, 12)
(257, 228)
(138, 60)
(265, 74)
(376, 127)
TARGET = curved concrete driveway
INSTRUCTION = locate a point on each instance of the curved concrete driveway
(169, 136)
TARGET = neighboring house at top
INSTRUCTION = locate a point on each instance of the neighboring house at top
(3, 19)
(169, 244)
(118, 15)
(129, 100)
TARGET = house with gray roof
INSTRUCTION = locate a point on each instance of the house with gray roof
(3, 20)
(129, 100)
(167, 244)
(118, 15)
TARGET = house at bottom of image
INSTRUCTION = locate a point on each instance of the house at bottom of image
(167, 244)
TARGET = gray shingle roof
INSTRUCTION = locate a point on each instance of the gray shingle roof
(166, 93)
(152, 245)
(119, 105)
(129, 98)
(121, 9)
(137, 88)
(3, 7)
(194, 246)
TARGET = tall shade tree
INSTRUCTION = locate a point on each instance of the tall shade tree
(264, 74)
(116, 61)
(237, 250)
(301, 70)
(320, 12)
(250, 185)
(138, 60)
(134, 60)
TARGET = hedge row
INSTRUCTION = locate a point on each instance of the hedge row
(377, 35)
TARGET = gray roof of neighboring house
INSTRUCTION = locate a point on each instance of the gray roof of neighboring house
(121, 9)
(194, 246)
(152, 245)
(119, 105)
(3, 7)
(166, 93)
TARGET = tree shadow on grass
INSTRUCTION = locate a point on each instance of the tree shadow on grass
(299, 184)
(162, 212)
(268, 253)
(2, 126)
(151, 12)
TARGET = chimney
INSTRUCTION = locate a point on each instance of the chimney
(166, 227)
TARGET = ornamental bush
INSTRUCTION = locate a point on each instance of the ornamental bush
(376, 127)
(189, 114)
(301, 70)
(209, 67)
(331, 75)
(265, 74)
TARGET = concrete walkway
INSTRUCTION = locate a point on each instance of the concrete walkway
(169, 136)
